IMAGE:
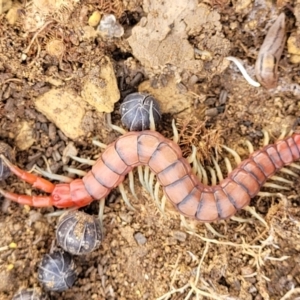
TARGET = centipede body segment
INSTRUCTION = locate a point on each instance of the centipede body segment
(174, 173)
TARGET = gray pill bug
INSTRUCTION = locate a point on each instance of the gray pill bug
(135, 111)
(56, 271)
(78, 233)
(7, 151)
(29, 294)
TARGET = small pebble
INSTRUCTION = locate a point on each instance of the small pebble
(180, 236)
(94, 19)
(140, 238)
(211, 112)
(52, 131)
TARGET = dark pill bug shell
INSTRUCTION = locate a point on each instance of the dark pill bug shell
(7, 151)
(29, 294)
(78, 233)
(57, 271)
(135, 111)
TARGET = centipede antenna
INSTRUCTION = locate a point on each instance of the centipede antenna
(218, 169)
(213, 231)
(175, 132)
(151, 117)
(266, 139)
(146, 177)
(212, 175)
(114, 127)
(281, 179)
(124, 196)
(141, 176)
(131, 184)
(289, 172)
(52, 176)
(99, 144)
(235, 155)
(74, 171)
(276, 186)
(228, 165)
(85, 161)
(253, 212)
(249, 146)
(151, 180)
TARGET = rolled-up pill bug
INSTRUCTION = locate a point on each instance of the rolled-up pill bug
(78, 233)
(29, 294)
(7, 151)
(135, 111)
(57, 271)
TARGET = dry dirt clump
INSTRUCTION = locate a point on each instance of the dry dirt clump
(171, 27)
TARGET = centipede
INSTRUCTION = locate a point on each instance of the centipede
(189, 196)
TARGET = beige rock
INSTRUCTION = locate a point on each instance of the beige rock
(295, 59)
(160, 40)
(24, 138)
(242, 4)
(5, 5)
(100, 89)
(65, 109)
(94, 19)
(170, 99)
(293, 44)
(13, 14)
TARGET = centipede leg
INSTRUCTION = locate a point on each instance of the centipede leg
(218, 169)
(253, 212)
(81, 160)
(141, 176)
(289, 172)
(124, 196)
(131, 184)
(276, 186)
(156, 197)
(151, 188)
(75, 171)
(52, 176)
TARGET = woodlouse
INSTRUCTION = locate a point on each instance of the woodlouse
(78, 233)
(6, 150)
(135, 111)
(57, 271)
(29, 294)
(180, 185)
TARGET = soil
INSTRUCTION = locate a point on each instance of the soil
(173, 51)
